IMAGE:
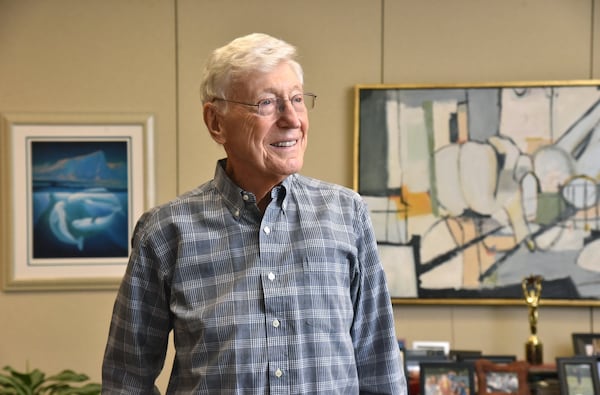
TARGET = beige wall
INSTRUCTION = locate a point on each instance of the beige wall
(146, 56)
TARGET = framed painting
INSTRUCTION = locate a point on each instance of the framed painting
(586, 344)
(446, 378)
(578, 375)
(473, 187)
(497, 379)
(73, 186)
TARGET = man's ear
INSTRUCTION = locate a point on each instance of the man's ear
(212, 119)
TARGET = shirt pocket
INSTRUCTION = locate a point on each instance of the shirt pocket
(328, 305)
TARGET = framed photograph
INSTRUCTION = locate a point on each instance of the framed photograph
(501, 379)
(461, 355)
(414, 358)
(578, 375)
(432, 346)
(473, 187)
(586, 344)
(73, 186)
(446, 378)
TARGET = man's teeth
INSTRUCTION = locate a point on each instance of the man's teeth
(285, 143)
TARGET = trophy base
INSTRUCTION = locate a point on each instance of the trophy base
(534, 353)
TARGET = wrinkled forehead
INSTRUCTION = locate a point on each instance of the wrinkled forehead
(283, 79)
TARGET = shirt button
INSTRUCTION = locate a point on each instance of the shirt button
(267, 230)
(278, 373)
(276, 323)
(271, 276)
(245, 197)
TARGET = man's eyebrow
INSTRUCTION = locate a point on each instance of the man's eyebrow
(275, 92)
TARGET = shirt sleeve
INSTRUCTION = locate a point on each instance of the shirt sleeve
(376, 347)
(140, 325)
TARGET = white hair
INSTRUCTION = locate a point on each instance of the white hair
(254, 52)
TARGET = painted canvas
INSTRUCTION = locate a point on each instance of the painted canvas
(80, 199)
(472, 188)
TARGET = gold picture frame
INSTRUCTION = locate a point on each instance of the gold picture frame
(473, 187)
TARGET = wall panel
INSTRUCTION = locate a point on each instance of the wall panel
(471, 41)
(82, 57)
(339, 46)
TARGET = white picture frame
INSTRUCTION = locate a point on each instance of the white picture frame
(73, 186)
(432, 346)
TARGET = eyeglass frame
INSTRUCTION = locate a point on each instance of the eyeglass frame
(279, 102)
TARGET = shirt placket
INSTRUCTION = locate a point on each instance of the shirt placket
(277, 330)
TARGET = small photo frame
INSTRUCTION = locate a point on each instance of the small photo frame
(586, 344)
(578, 375)
(502, 379)
(72, 187)
(446, 377)
(414, 358)
(461, 355)
(432, 346)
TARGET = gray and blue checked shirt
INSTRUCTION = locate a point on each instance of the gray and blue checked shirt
(290, 302)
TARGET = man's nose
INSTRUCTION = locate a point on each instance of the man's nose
(283, 104)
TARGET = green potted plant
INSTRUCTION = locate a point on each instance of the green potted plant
(35, 382)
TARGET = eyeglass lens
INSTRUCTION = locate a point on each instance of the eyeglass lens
(300, 103)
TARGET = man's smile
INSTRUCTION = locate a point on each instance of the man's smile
(287, 143)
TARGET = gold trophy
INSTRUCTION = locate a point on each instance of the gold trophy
(532, 289)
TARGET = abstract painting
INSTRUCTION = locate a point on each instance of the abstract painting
(472, 188)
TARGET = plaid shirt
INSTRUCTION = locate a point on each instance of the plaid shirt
(290, 302)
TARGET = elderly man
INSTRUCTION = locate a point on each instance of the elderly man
(269, 280)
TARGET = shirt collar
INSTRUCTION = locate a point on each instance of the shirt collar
(237, 199)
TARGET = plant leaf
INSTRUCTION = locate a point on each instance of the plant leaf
(36, 383)
(8, 391)
(11, 385)
(88, 389)
(68, 376)
(17, 381)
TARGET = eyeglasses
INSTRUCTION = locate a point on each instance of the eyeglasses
(265, 107)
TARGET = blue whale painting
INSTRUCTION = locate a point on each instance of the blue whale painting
(80, 199)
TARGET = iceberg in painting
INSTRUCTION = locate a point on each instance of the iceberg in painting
(85, 170)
